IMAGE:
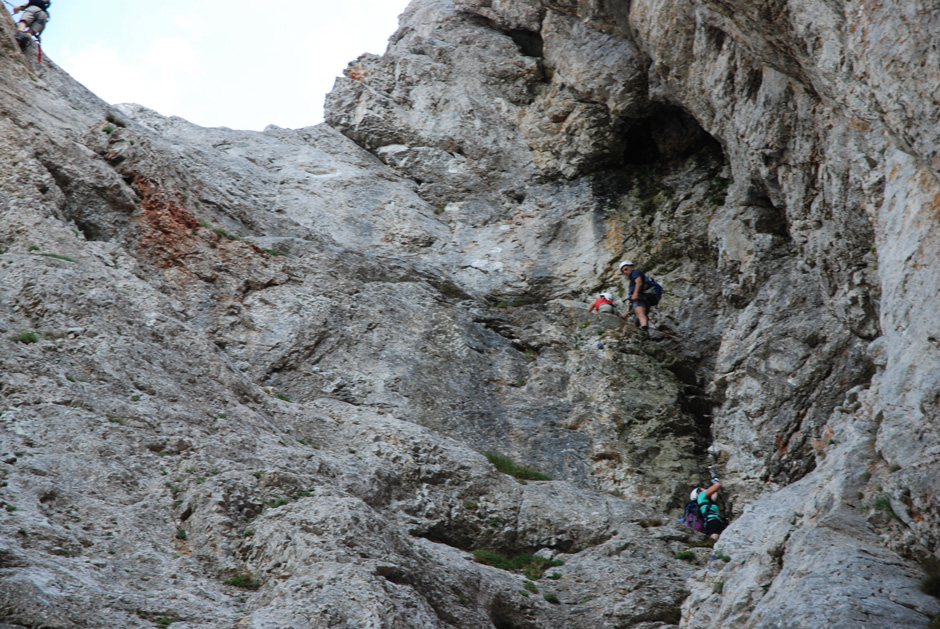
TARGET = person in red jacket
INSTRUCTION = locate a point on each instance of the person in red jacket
(604, 303)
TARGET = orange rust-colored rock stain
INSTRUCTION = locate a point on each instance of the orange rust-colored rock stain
(170, 233)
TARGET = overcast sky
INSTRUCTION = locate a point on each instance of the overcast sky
(232, 63)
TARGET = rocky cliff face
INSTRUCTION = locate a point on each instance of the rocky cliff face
(248, 378)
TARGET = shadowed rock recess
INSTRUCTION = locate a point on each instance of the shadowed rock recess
(250, 379)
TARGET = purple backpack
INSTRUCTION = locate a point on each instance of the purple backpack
(693, 517)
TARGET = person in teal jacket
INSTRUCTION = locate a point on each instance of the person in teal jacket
(714, 523)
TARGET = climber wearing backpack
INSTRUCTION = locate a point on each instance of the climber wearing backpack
(714, 523)
(604, 303)
(34, 18)
(643, 293)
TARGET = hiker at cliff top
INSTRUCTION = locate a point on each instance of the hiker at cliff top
(604, 303)
(34, 17)
(639, 301)
(714, 523)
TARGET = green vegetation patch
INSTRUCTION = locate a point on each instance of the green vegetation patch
(507, 466)
(25, 337)
(883, 503)
(224, 234)
(246, 581)
(531, 566)
(686, 555)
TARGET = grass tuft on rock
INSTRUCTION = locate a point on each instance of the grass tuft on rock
(507, 466)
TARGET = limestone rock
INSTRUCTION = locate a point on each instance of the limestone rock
(248, 379)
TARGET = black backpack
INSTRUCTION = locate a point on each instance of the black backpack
(651, 290)
(42, 4)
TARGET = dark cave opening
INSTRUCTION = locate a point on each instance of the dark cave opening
(530, 43)
(669, 134)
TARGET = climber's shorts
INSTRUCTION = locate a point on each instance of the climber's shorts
(606, 308)
(713, 527)
(35, 18)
